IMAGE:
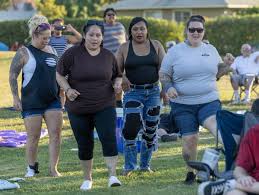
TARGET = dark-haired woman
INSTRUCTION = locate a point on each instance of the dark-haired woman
(140, 58)
(93, 79)
(188, 74)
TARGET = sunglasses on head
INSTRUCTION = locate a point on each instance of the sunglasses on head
(198, 30)
(42, 27)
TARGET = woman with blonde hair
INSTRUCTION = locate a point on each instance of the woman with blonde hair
(39, 93)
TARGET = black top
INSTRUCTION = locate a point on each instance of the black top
(42, 88)
(142, 70)
(92, 76)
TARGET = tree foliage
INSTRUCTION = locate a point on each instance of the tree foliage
(4, 4)
(50, 9)
(248, 11)
(83, 8)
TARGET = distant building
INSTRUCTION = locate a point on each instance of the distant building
(180, 10)
(19, 10)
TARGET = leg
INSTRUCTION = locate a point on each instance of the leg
(33, 128)
(132, 124)
(62, 96)
(185, 118)
(210, 123)
(53, 119)
(87, 169)
(236, 192)
(207, 117)
(189, 150)
(105, 122)
(82, 126)
(248, 83)
(151, 115)
(235, 84)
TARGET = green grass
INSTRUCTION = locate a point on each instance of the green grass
(167, 161)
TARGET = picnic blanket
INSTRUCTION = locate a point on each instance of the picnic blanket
(14, 139)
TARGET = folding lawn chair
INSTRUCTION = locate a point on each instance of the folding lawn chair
(231, 126)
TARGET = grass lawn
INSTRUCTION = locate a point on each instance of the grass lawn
(167, 161)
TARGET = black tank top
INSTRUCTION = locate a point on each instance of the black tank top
(142, 70)
(42, 89)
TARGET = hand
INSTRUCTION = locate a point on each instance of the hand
(125, 83)
(72, 94)
(117, 85)
(228, 59)
(69, 28)
(172, 93)
(165, 97)
(17, 104)
(246, 181)
(52, 27)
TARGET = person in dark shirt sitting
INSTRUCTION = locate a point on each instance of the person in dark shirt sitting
(93, 80)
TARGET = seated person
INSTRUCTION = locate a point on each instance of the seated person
(244, 71)
(166, 128)
(246, 172)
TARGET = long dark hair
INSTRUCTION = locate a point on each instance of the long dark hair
(88, 25)
(135, 21)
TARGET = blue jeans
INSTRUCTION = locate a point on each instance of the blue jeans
(141, 111)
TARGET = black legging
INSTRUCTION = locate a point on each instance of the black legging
(83, 129)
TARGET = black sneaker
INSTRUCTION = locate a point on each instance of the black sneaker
(190, 178)
(212, 187)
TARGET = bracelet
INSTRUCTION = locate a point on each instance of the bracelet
(67, 89)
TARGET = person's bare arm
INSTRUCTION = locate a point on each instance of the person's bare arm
(167, 86)
(225, 67)
(243, 177)
(76, 37)
(72, 94)
(121, 57)
(160, 51)
(15, 69)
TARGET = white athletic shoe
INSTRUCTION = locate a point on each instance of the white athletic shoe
(114, 181)
(30, 172)
(6, 185)
(86, 185)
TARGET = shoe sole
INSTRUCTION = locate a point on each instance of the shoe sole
(115, 185)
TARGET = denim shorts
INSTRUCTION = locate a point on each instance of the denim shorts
(188, 118)
(55, 105)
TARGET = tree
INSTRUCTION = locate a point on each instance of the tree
(50, 9)
(248, 11)
(4, 4)
(83, 8)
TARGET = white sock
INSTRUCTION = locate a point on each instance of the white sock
(236, 95)
(247, 94)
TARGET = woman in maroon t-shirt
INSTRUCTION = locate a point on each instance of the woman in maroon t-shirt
(93, 79)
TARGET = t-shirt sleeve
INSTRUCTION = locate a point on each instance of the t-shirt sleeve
(234, 65)
(116, 72)
(167, 63)
(217, 56)
(65, 62)
(245, 157)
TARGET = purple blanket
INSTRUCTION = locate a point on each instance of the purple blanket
(11, 138)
